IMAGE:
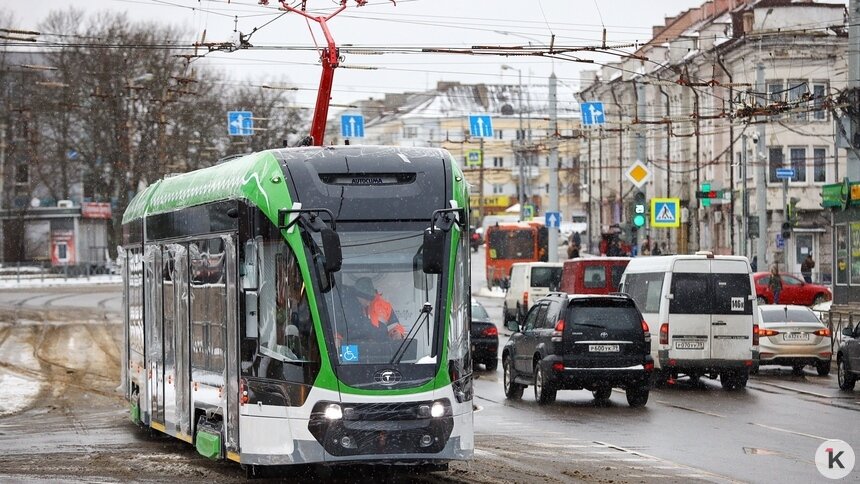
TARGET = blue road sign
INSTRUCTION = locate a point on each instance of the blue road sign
(352, 126)
(552, 219)
(240, 123)
(592, 113)
(72, 154)
(664, 212)
(785, 173)
(780, 242)
(480, 126)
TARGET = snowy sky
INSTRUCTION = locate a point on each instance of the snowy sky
(424, 23)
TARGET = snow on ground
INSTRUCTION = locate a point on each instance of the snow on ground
(485, 292)
(13, 282)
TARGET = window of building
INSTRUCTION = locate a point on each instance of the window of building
(798, 163)
(498, 188)
(498, 161)
(22, 174)
(819, 91)
(775, 160)
(521, 134)
(797, 90)
(774, 91)
(499, 134)
(819, 165)
(410, 132)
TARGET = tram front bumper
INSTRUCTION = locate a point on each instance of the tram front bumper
(345, 429)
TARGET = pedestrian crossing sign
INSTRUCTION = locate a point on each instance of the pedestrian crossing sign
(665, 212)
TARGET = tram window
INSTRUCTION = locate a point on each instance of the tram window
(208, 305)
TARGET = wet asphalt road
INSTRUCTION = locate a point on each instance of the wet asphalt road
(75, 427)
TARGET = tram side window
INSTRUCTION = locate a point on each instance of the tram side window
(208, 305)
(292, 337)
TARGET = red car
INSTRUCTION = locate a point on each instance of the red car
(794, 290)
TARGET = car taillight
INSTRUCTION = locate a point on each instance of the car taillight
(649, 366)
(645, 327)
(525, 299)
(767, 332)
(664, 334)
(559, 330)
(243, 391)
(646, 331)
(755, 334)
(823, 332)
(490, 331)
(558, 366)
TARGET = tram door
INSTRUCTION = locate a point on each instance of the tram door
(175, 386)
(154, 336)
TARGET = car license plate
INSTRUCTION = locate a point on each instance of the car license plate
(604, 348)
(795, 337)
(689, 345)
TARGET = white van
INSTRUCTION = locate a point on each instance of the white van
(528, 282)
(701, 311)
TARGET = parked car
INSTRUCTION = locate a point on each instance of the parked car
(848, 358)
(794, 290)
(528, 282)
(574, 342)
(485, 338)
(792, 335)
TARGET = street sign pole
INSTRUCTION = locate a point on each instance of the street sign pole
(785, 219)
(553, 165)
(481, 183)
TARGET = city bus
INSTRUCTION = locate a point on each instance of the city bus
(249, 292)
(507, 243)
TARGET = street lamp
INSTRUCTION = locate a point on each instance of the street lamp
(520, 136)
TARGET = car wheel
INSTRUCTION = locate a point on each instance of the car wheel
(637, 397)
(513, 391)
(797, 370)
(846, 379)
(761, 300)
(602, 393)
(818, 300)
(659, 379)
(491, 364)
(728, 380)
(823, 367)
(544, 392)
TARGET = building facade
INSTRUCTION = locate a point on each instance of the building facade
(722, 94)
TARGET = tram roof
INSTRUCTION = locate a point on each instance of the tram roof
(251, 176)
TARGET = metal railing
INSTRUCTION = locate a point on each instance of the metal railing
(837, 320)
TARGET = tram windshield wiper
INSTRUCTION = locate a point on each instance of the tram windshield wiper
(413, 332)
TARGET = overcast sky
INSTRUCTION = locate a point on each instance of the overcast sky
(422, 23)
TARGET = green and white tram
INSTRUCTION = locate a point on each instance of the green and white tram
(259, 298)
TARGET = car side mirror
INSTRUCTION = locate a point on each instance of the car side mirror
(512, 325)
(848, 332)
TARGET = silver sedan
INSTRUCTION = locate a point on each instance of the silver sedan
(793, 336)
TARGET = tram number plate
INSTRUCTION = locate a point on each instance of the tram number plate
(795, 337)
(604, 348)
(689, 345)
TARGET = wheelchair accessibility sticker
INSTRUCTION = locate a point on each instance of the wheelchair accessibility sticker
(349, 353)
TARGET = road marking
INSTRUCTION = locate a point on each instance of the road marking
(792, 389)
(703, 412)
(789, 431)
(699, 472)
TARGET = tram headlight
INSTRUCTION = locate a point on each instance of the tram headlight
(437, 409)
(333, 412)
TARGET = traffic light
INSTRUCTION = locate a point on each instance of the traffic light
(639, 210)
(786, 230)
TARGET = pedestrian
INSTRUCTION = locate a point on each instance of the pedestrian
(614, 249)
(646, 246)
(656, 250)
(806, 267)
(754, 263)
(775, 283)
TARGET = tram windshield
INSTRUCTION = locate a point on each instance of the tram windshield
(382, 308)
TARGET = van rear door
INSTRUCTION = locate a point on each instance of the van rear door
(690, 310)
(543, 280)
(732, 319)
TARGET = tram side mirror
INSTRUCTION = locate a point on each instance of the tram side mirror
(331, 249)
(433, 252)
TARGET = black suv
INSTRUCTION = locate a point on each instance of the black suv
(574, 342)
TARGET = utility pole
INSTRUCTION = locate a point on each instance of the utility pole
(590, 201)
(600, 183)
(745, 207)
(481, 181)
(553, 166)
(853, 158)
(641, 146)
(2, 186)
(761, 182)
